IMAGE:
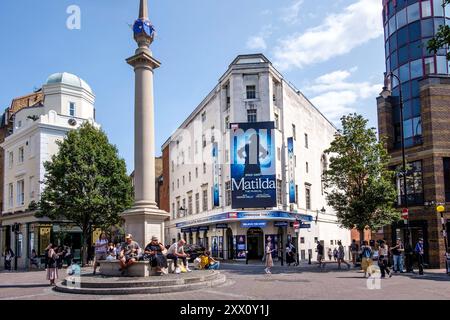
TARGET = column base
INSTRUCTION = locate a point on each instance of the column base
(144, 222)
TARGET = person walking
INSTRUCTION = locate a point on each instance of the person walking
(366, 260)
(341, 256)
(354, 250)
(320, 255)
(290, 254)
(52, 265)
(269, 260)
(8, 256)
(397, 252)
(419, 253)
(335, 254)
(330, 254)
(383, 252)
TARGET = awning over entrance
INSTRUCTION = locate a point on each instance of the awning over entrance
(237, 216)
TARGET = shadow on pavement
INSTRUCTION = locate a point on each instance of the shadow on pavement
(24, 286)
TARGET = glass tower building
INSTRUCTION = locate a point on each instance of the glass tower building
(408, 26)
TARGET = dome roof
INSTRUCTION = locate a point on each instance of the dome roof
(69, 79)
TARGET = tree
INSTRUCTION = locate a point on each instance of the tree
(442, 37)
(358, 184)
(86, 183)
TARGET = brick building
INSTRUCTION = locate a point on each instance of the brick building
(421, 78)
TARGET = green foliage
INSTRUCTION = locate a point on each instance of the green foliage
(441, 39)
(359, 186)
(86, 182)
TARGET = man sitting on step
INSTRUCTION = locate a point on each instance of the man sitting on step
(176, 252)
(128, 254)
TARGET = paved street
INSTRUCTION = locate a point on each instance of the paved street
(248, 282)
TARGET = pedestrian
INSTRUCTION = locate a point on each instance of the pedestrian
(409, 256)
(354, 250)
(101, 247)
(289, 254)
(9, 255)
(68, 255)
(335, 254)
(383, 258)
(50, 245)
(330, 254)
(341, 256)
(366, 258)
(269, 260)
(34, 259)
(52, 267)
(319, 250)
(419, 253)
(60, 252)
(397, 252)
(153, 253)
(175, 252)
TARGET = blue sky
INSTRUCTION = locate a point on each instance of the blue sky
(332, 50)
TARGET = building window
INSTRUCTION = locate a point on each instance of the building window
(203, 141)
(204, 116)
(173, 166)
(11, 159)
(251, 115)
(447, 179)
(228, 193)
(414, 184)
(204, 167)
(178, 207)
(31, 187)
(197, 203)
(178, 183)
(307, 167)
(20, 193)
(251, 92)
(21, 157)
(173, 186)
(306, 141)
(308, 197)
(277, 120)
(302, 240)
(205, 200)
(183, 180)
(184, 207)
(173, 211)
(190, 204)
(196, 172)
(294, 134)
(227, 122)
(196, 146)
(279, 195)
(10, 195)
(190, 177)
(72, 109)
(19, 124)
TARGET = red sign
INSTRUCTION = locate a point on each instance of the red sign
(405, 213)
(296, 225)
(232, 215)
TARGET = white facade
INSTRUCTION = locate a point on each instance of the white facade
(68, 102)
(251, 90)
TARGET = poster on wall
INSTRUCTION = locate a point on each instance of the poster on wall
(241, 247)
(44, 239)
(291, 170)
(215, 167)
(253, 181)
(220, 247)
(214, 247)
(273, 239)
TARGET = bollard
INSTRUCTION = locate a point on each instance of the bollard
(309, 259)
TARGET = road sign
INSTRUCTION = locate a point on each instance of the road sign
(405, 213)
(296, 225)
(305, 226)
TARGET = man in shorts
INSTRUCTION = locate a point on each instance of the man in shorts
(128, 254)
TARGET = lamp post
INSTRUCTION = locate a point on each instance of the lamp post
(386, 93)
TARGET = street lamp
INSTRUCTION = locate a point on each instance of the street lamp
(386, 93)
(182, 211)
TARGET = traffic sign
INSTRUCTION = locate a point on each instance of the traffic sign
(405, 213)
(296, 225)
(305, 226)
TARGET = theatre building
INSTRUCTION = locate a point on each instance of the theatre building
(246, 167)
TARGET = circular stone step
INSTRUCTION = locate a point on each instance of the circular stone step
(90, 284)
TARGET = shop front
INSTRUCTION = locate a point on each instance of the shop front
(243, 235)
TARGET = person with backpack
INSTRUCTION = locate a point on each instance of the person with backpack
(9, 255)
(366, 257)
(354, 249)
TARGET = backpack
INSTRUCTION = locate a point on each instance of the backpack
(367, 252)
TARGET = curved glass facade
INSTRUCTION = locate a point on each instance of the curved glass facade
(408, 25)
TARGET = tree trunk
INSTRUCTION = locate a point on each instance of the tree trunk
(361, 236)
(85, 248)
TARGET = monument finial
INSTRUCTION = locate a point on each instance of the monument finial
(143, 10)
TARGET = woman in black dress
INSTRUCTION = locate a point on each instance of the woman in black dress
(153, 252)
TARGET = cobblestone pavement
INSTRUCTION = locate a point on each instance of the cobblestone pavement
(248, 282)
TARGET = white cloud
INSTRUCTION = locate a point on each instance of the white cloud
(291, 14)
(338, 34)
(335, 95)
(256, 43)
